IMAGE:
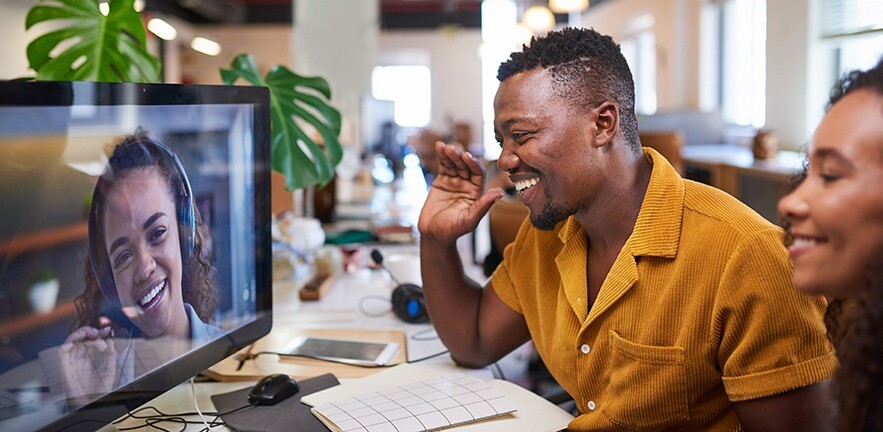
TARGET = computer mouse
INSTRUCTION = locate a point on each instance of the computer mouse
(273, 389)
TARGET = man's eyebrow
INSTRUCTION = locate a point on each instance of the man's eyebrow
(506, 124)
(152, 219)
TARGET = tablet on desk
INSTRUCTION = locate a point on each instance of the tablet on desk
(349, 351)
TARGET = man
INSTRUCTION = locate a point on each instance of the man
(657, 303)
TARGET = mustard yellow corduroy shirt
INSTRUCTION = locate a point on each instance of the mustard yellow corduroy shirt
(697, 311)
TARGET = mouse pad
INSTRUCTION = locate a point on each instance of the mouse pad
(288, 415)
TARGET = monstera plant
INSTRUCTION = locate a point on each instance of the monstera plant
(107, 42)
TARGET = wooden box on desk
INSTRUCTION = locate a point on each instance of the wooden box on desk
(266, 364)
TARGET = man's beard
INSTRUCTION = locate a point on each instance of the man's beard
(549, 216)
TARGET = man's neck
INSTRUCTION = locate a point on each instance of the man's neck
(610, 220)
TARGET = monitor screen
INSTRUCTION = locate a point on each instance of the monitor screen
(134, 243)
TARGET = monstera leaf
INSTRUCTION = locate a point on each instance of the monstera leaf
(91, 46)
(295, 100)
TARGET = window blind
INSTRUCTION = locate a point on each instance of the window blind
(841, 18)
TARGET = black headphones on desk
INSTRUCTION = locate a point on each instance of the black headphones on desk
(407, 299)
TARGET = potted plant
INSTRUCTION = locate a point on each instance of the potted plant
(107, 42)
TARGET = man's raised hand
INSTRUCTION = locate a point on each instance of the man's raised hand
(455, 203)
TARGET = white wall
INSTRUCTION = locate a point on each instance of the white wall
(337, 39)
(269, 44)
(12, 48)
(455, 68)
(676, 28)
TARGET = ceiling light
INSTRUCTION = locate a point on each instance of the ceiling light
(568, 6)
(162, 29)
(539, 19)
(139, 5)
(205, 46)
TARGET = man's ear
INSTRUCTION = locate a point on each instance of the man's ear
(606, 119)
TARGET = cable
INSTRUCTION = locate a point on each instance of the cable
(371, 314)
(500, 371)
(153, 420)
(196, 403)
(252, 356)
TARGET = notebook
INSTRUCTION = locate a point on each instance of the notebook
(532, 413)
(421, 406)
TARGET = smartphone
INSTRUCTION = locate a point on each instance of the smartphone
(344, 350)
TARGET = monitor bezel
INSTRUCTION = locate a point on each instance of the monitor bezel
(43, 93)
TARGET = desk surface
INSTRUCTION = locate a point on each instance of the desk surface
(339, 309)
(785, 162)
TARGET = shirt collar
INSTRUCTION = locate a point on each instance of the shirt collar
(658, 228)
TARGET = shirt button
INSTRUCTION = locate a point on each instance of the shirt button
(585, 349)
(591, 405)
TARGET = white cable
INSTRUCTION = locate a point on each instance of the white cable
(196, 404)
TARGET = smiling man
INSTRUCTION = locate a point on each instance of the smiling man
(658, 303)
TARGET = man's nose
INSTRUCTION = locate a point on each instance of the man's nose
(508, 160)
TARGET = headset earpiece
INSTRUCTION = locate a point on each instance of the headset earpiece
(407, 299)
(408, 304)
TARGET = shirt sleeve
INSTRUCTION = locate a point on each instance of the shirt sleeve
(772, 337)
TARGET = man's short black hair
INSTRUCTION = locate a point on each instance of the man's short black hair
(587, 69)
(871, 79)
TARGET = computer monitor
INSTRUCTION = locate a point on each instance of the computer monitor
(135, 245)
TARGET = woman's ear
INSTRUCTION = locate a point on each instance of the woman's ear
(606, 119)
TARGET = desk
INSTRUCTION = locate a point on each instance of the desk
(733, 169)
(338, 309)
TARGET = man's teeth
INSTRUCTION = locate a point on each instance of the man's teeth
(524, 184)
(147, 298)
(800, 242)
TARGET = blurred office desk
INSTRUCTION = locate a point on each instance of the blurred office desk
(733, 169)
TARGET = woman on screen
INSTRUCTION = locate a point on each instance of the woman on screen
(148, 274)
(148, 252)
(835, 218)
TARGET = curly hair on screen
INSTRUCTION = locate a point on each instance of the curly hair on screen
(854, 325)
(199, 273)
(587, 68)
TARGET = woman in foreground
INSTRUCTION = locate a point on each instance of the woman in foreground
(835, 218)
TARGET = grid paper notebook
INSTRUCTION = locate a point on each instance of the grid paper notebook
(421, 406)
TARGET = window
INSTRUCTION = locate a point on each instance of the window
(640, 53)
(860, 52)
(857, 28)
(409, 87)
(743, 62)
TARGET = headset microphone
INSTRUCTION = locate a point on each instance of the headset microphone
(407, 299)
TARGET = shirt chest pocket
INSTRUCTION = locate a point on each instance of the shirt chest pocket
(648, 385)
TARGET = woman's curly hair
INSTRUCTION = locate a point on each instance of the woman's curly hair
(198, 275)
(854, 326)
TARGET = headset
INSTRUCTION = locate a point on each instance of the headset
(407, 299)
(140, 151)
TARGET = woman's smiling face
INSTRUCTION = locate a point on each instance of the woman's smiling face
(836, 214)
(141, 237)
